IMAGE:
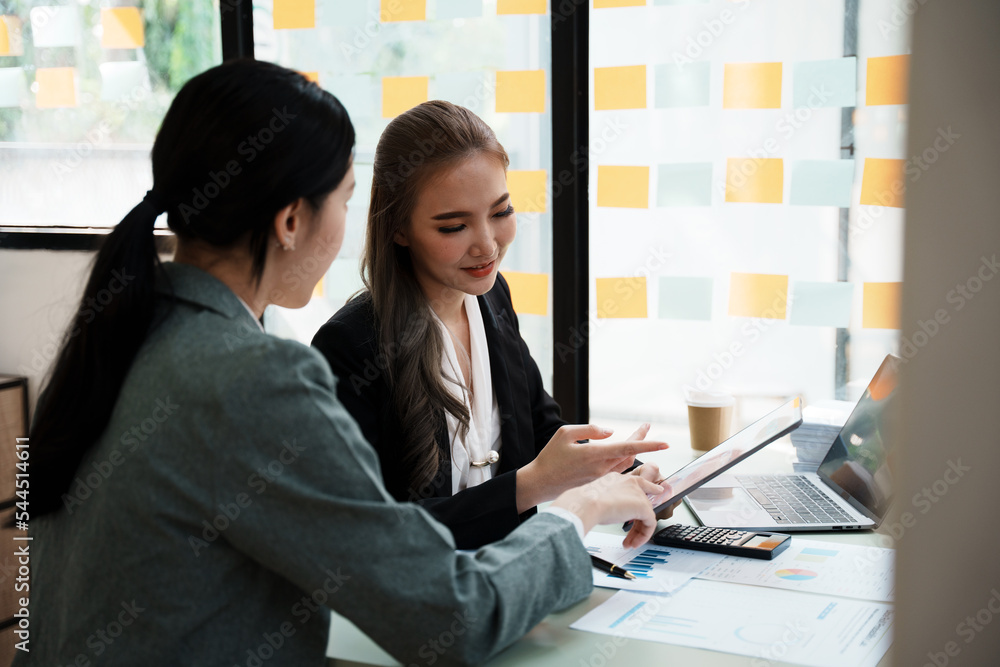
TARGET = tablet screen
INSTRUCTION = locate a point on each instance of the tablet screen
(765, 430)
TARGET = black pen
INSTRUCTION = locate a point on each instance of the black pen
(610, 568)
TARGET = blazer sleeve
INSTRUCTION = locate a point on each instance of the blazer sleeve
(327, 512)
(546, 416)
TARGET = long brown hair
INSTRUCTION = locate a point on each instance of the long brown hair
(414, 147)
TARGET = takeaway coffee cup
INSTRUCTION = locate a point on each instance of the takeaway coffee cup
(710, 414)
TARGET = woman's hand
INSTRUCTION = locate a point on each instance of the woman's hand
(565, 463)
(651, 472)
(615, 498)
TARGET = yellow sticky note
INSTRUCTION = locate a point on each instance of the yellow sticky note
(621, 297)
(529, 292)
(520, 7)
(609, 4)
(881, 305)
(402, 93)
(312, 76)
(292, 14)
(755, 180)
(122, 28)
(318, 290)
(758, 295)
(620, 87)
(527, 190)
(882, 183)
(10, 36)
(56, 87)
(752, 86)
(521, 91)
(402, 10)
(888, 80)
(623, 187)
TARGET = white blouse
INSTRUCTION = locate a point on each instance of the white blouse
(484, 423)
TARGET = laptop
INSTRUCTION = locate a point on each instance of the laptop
(851, 489)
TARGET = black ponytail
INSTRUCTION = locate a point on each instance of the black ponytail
(217, 186)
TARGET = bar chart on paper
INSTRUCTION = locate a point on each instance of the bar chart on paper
(771, 624)
(656, 569)
(865, 573)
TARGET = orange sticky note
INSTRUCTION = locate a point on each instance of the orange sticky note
(882, 183)
(312, 76)
(888, 80)
(292, 14)
(752, 86)
(520, 7)
(881, 305)
(755, 180)
(621, 297)
(758, 295)
(402, 93)
(620, 87)
(521, 91)
(529, 292)
(402, 10)
(56, 87)
(527, 190)
(122, 28)
(623, 187)
(609, 4)
(10, 36)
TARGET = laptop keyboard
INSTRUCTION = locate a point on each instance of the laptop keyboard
(793, 499)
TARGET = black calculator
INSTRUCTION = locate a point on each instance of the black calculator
(723, 540)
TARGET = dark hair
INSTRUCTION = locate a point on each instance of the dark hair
(240, 142)
(413, 148)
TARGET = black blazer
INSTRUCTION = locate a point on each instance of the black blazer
(528, 416)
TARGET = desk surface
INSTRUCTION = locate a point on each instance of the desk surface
(552, 641)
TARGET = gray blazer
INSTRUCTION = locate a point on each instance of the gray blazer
(232, 500)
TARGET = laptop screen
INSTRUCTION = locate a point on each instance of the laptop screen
(857, 465)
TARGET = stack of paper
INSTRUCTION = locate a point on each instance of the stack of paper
(821, 422)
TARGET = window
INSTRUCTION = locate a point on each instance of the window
(83, 89)
(382, 58)
(745, 199)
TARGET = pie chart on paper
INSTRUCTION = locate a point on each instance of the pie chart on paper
(796, 575)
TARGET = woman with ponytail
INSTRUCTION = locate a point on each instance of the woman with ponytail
(429, 357)
(198, 495)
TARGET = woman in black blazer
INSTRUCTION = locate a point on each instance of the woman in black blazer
(440, 222)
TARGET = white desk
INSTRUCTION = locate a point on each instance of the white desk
(552, 642)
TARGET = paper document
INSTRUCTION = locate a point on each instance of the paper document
(764, 623)
(812, 566)
(656, 569)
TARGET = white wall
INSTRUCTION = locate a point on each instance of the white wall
(949, 557)
(39, 290)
